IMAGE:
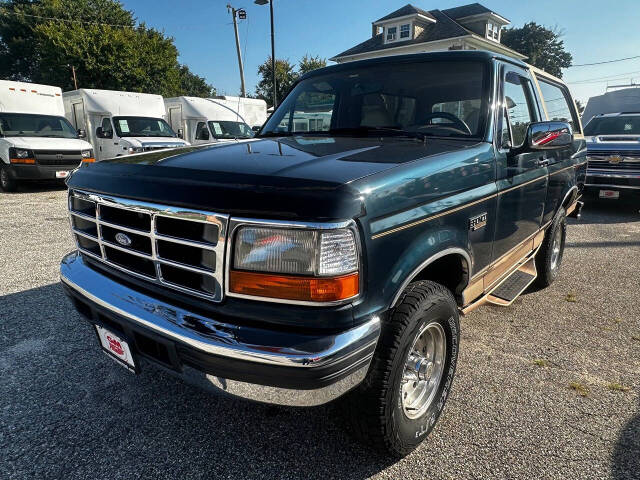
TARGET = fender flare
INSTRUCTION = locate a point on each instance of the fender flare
(429, 261)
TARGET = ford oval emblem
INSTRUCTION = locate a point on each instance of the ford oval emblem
(123, 239)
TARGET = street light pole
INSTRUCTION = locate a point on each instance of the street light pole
(273, 50)
(234, 12)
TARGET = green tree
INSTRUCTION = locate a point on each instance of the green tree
(542, 46)
(285, 78)
(194, 85)
(41, 39)
(309, 63)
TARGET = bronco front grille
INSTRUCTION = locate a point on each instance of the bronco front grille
(179, 248)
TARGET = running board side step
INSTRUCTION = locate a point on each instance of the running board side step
(505, 293)
(510, 287)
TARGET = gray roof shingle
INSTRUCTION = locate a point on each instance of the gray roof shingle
(443, 28)
(404, 11)
(467, 10)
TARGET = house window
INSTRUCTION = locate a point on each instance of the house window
(405, 30)
(493, 31)
(391, 33)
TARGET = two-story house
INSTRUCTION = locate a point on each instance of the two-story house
(412, 30)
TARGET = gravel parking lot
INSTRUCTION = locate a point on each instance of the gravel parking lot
(547, 388)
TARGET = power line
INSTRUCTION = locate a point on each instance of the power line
(601, 63)
(68, 20)
(618, 76)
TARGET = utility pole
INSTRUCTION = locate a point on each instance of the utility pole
(273, 50)
(273, 58)
(242, 15)
(75, 80)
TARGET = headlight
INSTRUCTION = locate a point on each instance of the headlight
(87, 156)
(295, 264)
(20, 155)
(135, 149)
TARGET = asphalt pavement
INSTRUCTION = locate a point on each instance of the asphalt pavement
(546, 388)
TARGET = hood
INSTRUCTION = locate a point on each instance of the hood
(292, 177)
(154, 141)
(49, 143)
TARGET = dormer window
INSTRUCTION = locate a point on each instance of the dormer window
(405, 30)
(391, 33)
(493, 31)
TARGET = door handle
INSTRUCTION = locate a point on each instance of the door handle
(542, 162)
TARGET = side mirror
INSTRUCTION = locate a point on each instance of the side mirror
(256, 128)
(82, 133)
(180, 133)
(549, 135)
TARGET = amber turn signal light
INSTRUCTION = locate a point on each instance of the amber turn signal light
(288, 287)
(88, 160)
(29, 161)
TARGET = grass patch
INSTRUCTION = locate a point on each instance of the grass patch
(541, 362)
(579, 388)
(618, 387)
(571, 297)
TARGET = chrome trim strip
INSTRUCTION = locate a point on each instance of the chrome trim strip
(433, 217)
(611, 174)
(274, 395)
(237, 222)
(175, 322)
(155, 210)
(427, 262)
(189, 243)
(630, 187)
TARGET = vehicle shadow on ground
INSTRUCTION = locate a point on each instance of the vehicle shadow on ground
(72, 412)
(626, 455)
(37, 187)
(604, 211)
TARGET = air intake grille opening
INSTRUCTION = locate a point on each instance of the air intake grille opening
(179, 248)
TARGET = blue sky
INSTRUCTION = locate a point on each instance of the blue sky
(593, 31)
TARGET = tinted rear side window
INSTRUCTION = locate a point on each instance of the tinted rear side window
(557, 101)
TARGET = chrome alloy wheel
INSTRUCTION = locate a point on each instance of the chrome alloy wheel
(556, 248)
(423, 370)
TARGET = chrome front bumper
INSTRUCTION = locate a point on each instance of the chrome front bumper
(342, 358)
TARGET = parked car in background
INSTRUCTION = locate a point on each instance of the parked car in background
(305, 265)
(252, 110)
(205, 120)
(120, 123)
(613, 149)
(36, 140)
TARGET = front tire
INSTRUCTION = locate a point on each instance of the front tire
(549, 257)
(7, 184)
(410, 377)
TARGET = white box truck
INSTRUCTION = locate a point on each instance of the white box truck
(206, 120)
(120, 123)
(253, 110)
(36, 140)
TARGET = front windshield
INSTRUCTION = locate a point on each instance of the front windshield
(34, 125)
(142, 127)
(228, 129)
(626, 125)
(439, 98)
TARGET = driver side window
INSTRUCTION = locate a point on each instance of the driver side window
(106, 127)
(202, 132)
(517, 100)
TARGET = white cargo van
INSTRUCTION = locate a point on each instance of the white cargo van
(253, 110)
(205, 120)
(36, 141)
(120, 123)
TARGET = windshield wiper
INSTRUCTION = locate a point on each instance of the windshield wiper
(275, 134)
(382, 131)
